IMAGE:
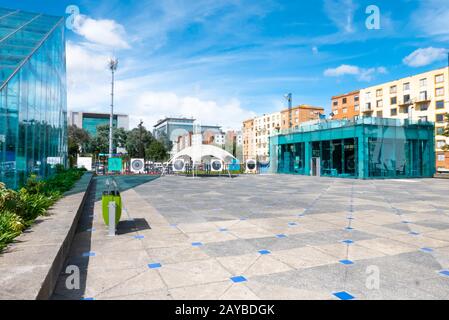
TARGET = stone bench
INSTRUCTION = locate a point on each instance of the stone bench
(30, 267)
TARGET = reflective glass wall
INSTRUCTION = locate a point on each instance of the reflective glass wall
(361, 148)
(33, 111)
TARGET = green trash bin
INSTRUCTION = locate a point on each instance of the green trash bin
(107, 197)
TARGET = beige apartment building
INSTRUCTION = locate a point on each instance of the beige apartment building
(423, 96)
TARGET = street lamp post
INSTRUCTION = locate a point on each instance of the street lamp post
(113, 67)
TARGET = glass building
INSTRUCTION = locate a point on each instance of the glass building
(361, 148)
(33, 108)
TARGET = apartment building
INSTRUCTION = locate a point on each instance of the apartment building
(346, 106)
(257, 131)
(300, 114)
(423, 96)
(249, 140)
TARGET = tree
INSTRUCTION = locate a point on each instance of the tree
(165, 140)
(138, 140)
(79, 141)
(156, 151)
(100, 143)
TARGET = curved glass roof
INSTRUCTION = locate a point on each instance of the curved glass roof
(20, 34)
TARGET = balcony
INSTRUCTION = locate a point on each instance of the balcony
(405, 103)
(367, 108)
(423, 98)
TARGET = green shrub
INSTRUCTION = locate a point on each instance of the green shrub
(19, 209)
(11, 225)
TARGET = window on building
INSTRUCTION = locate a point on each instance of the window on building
(379, 114)
(368, 95)
(439, 131)
(407, 86)
(393, 100)
(345, 110)
(440, 104)
(394, 112)
(406, 98)
(423, 82)
(439, 92)
(357, 107)
(379, 92)
(423, 95)
(393, 89)
(379, 103)
(441, 144)
(439, 78)
(439, 118)
(424, 107)
(356, 98)
(345, 100)
(335, 103)
(441, 157)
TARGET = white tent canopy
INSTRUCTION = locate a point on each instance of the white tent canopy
(197, 153)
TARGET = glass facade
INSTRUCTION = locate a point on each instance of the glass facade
(33, 111)
(359, 148)
(91, 122)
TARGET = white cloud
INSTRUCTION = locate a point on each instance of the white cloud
(152, 106)
(362, 74)
(89, 90)
(341, 13)
(103, 32)
(425, 56)
(432, 18)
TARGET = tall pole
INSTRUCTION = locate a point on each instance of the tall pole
(113, 67)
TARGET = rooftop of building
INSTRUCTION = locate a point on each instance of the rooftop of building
(316, 125)
(98, 114)
(166, 119)
(352, 93)
(21, 34)
(304, 106)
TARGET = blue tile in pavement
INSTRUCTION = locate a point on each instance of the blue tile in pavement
(139, 237)
(343, 295)
(413, 233)
(87, 299)
(197, 244)
(280, 236)
(444, 273)
(154, 265)
(89, 254)
(238, 279)
(292, 224)
(264, 252)
(348, 241)
(426, 249)
(346, 262)
(223, 229)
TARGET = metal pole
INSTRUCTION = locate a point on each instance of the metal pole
(111, 213)
(112, 66)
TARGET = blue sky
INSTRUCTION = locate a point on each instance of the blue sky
(224, 61)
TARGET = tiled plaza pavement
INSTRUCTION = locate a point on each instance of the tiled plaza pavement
(267, 237)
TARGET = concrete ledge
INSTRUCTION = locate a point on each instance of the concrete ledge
(441, 176)
(30, 267)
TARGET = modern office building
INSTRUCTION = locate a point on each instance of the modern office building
(90, 121)
(359, 148)
(346, 106)
(256, 132)
(175, 129)
(423, 96)
(33, 108)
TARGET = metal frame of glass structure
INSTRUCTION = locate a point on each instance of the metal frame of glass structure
(362, 148)
(33, 103)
